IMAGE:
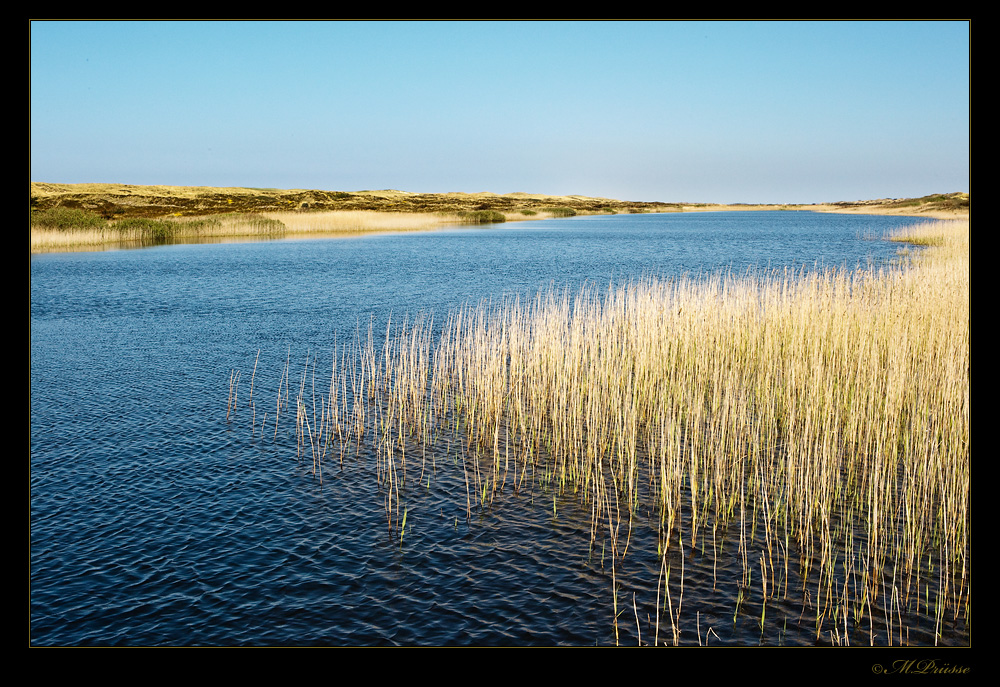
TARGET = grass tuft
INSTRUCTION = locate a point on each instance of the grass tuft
(481, 217)
(559, 211)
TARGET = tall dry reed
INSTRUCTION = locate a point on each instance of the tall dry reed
(43, 238)
(822, 415)
(358, 221)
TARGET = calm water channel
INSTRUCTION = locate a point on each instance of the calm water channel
(154, 521)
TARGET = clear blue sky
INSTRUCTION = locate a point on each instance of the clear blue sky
(756, 112)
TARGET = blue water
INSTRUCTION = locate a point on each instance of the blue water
(155, 521)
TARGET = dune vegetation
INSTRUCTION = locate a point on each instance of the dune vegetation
(821, 418)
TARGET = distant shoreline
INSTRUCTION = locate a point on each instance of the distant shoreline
(902, 207)
(124, 200)
(65, 217)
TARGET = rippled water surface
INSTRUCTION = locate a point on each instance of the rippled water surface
(155, 520)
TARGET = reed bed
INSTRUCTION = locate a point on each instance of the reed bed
(45, 236)
(820, 417)
(62, 229)
(359, 221)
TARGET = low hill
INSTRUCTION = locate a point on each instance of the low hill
(937, 205)
(124, 200)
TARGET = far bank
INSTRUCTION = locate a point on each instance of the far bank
(86, 216)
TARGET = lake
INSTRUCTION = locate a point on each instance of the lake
(157, 520)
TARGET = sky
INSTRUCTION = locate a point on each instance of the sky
(673, 111)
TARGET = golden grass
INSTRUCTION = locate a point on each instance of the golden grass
(42, 240)
(359, 221)
(824, 416)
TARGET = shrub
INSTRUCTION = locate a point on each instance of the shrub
(143, 228)
(65, 219)
(559, 211)
(482, 217)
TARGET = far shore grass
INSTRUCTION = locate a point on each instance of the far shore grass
(65, 229)
(71, 217)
